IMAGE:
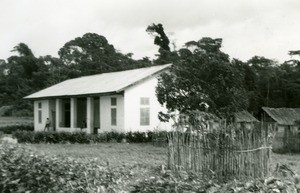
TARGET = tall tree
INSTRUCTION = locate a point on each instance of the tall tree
(203, 75)
(269, 81)
(161, 39)
(91, 54)
(291, 79)
(25, 58)
(251, 85)
(19, 78)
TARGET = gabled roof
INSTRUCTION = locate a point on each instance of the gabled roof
(244, 116)
(283, 116)
(99, 84)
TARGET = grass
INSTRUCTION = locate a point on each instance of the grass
(292, 160)
(115, 154)
(131, 155)
(139, 161)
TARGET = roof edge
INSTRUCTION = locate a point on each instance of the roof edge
(269, 110)
(143, 79)
(75, 96)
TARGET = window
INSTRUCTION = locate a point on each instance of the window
(144, 111)
(113, 101)
(144, 101)
(145, 116)
(113, 114)
(40, 116)
(40, 112)
(113, 110)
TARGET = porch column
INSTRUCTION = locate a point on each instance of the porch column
(90, 115)
(73, 114)
(58, 113)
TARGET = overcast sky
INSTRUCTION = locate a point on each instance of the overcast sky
(267, 28)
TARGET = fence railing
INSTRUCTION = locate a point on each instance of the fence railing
(225, 153)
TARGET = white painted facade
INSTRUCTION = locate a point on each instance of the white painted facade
(105, 114)
(41, 107)
(99, 111)
(132, 107)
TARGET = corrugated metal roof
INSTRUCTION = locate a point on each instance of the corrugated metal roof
(283, 116)
(244, 116)
(100, 83)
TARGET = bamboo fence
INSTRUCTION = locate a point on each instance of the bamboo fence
(229, 152)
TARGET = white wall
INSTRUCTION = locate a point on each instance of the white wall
(45, 114)
(105, 114)
(132, 107)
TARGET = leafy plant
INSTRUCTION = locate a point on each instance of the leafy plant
(22, 171)
(84, 138)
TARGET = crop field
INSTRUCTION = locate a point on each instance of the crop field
(141, 161)
(9, 121)
(134, 167)
(145, 158)
(114, 154)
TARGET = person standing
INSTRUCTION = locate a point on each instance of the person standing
(47, 125)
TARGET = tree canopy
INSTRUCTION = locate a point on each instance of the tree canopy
(161, 39)
(24, 73)
(92, 54)
(204, 75)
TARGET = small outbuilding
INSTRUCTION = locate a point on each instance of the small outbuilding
(287, 122)
(118, 101)
(244, 119)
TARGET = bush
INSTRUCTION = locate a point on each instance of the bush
(22, 171)
(99, 138)
(25, 136)
(14, 128)
(114, 136)
(139, 137)
(84, 138)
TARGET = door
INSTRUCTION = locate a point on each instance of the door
(53, 114)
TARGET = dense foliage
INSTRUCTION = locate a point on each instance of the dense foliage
(92, 54)
(204, 77)
(84, 138)
(24, 73)
(24, 171)
(202, 74)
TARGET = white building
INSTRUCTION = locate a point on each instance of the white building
(119, 101)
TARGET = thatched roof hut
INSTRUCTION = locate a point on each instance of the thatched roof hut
(244, 117)
(284, 116)
(287, 138)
